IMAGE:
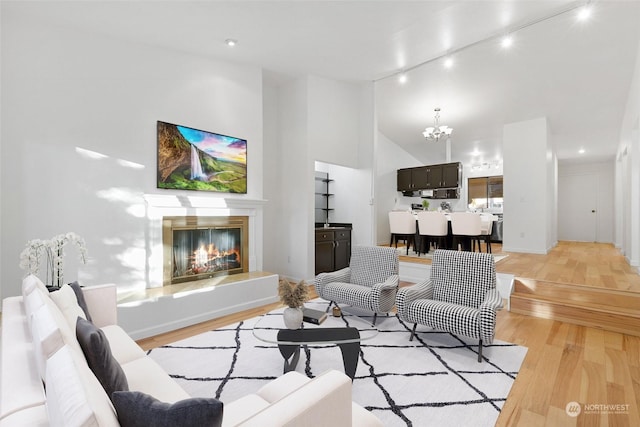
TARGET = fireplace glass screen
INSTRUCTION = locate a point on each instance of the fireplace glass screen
(206, 252)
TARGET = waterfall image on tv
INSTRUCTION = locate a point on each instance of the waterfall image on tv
(192, 159)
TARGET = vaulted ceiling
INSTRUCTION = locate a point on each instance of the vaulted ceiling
(577, 74)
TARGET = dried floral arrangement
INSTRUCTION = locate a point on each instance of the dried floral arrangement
(293, 294)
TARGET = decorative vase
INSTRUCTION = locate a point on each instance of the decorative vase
(292, 317)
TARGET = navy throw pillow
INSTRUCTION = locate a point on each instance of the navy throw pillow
(80, 297)
(97, 351)
(137, 409)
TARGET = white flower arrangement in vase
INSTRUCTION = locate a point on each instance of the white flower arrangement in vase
(54, 251)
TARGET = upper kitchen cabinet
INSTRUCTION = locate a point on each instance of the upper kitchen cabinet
(451, 175)
(430, 177)
(404, 180)
(411, 179)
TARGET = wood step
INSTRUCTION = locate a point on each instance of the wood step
(578, 293)
(611, 310)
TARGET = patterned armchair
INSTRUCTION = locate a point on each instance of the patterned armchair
(460, 297)
(370, 282)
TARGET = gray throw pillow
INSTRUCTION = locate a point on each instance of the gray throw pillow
(80, 297)
(137, 409)
(97, 351)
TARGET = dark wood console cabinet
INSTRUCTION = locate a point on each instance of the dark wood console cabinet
(333, 249)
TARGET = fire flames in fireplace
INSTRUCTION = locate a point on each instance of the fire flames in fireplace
(202, 247)
(209, 259)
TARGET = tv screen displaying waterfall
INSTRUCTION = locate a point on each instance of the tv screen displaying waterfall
(193, 159)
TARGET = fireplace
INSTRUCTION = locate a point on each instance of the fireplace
(197, 247)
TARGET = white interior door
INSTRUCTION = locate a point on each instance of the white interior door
(577, 201)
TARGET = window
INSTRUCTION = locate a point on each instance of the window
(485, 192)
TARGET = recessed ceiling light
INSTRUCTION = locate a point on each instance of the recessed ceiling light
(448, 62)
(584, 13)
(231, 42)
(402, 78)
(581, 151)
(506, 42)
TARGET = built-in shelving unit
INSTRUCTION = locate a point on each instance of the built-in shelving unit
(323, 197)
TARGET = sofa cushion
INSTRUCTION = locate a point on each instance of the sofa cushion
(20, 384)
(33, 301)
(33, 416)
(306, 404)
(30, 283)
(97, 351)
(47, 337)
(283, 385)
(145, 375)
(239, 410)
(137, 409)
(80, 299)
(49, 327)
(74, 395)
(123, 348)
(66, 300)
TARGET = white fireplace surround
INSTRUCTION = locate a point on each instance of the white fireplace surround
(159, 314)
(159, 205)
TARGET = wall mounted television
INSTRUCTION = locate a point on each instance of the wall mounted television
(193, 159)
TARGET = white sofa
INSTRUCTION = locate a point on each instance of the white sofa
(39, 350)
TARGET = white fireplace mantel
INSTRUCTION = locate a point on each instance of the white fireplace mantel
(172, 202)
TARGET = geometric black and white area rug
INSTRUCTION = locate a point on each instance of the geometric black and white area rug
(433, 380)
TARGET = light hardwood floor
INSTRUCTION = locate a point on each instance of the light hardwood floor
(564, 362)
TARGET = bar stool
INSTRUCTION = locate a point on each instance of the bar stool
(402, 225)
(486, 227)
(432, 225)
(466, 226)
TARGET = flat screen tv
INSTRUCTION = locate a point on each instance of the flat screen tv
(193, 159)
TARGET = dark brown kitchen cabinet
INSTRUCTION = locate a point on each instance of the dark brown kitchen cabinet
(333, 249)
(419, 178)
(404, 180)
(451, 175)
(434, 177)
(342, 250)
(447, 175)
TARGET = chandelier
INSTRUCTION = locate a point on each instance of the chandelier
(436, 132)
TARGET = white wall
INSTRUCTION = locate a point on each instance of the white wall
(347, 142)
(603, 172)
(627, 175)
(346, 203)
(527, 184)
(1, 156)
(272, 176)
(79, 142)
(310, 130)
(296, 184)
(389, 158)
(551, 194)
(333, 117)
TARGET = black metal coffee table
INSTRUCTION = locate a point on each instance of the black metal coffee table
(346, 332)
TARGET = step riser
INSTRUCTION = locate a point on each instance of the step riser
(578, 294)
(601, 319)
